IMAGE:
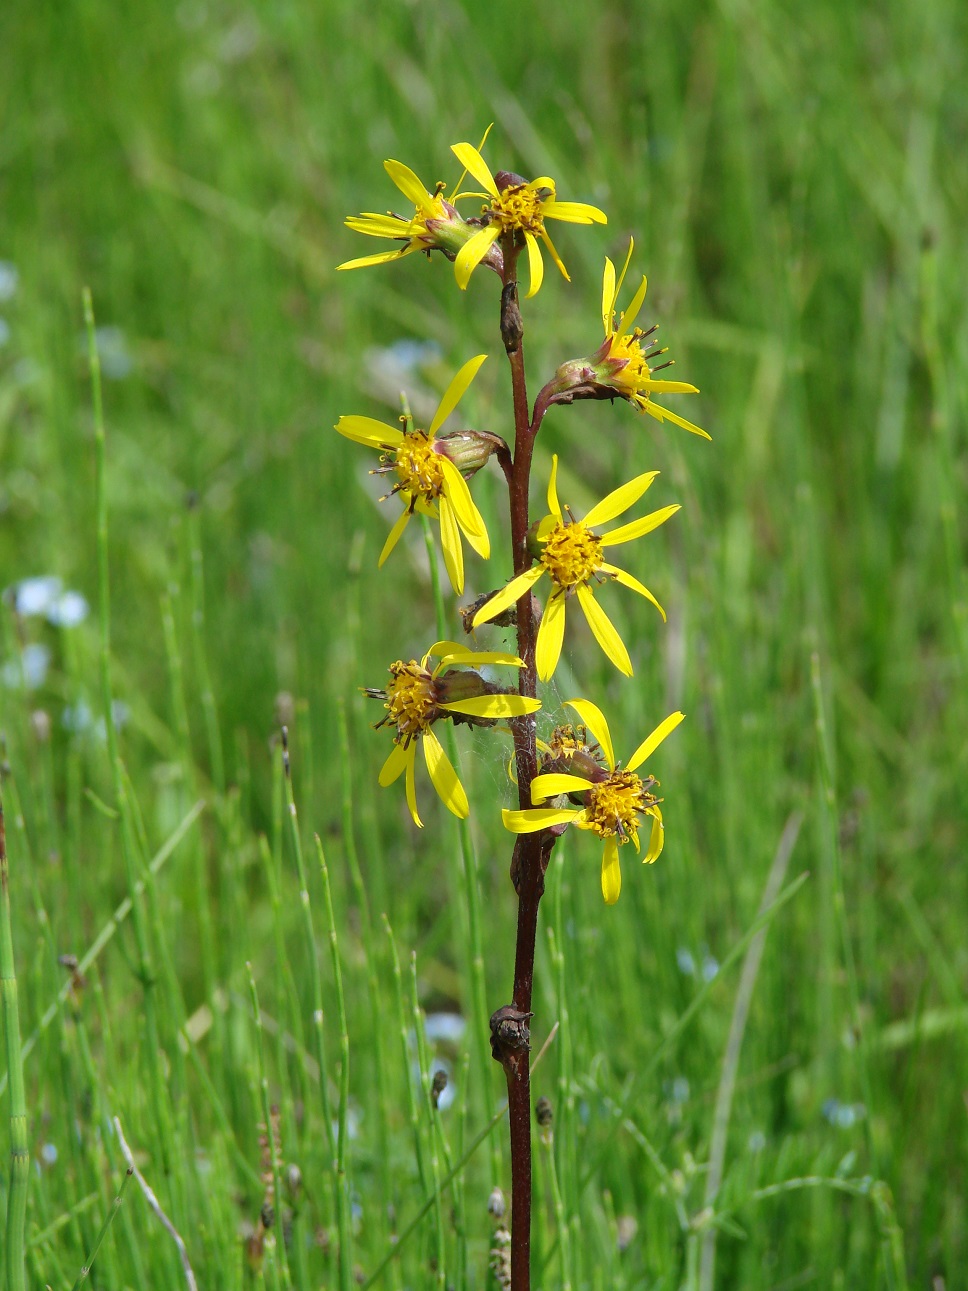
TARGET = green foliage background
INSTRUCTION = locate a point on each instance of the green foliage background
(793, 179)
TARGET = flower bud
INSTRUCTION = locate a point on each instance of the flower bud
(468, 449)
(458, 684)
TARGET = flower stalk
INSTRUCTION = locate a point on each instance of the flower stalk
(575, 780)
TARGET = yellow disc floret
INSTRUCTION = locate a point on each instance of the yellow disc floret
(571, 554)
(613, 806)
(419, 467)
(411, 699)
(519, 207)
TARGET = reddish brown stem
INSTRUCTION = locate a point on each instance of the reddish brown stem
(530, 857)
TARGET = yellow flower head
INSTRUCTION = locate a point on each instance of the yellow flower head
(517, 206)
(613, 799)
(625, 361)
(420, 694)
(434, 225)
(426, 479)
(573, 557)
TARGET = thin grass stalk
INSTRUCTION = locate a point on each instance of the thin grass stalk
(179, 707)
(451, 1175)
(207, 694)
(343, 1218)
(672, 1034)
(547, 1141)
(734, 1044)
(128, 848)
(423, 1064)
(279, 1244)
(470, 873)
(373, 976)
(87, 960)
(343, 1208)
(19, 1151)
(431, 1194)
(829, 819)
(103, 1230)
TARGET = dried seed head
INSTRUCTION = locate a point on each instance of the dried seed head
(438, 1086)
(496, 1205)
(544, 1113)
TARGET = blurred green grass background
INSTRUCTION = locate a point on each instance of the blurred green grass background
(793, 179)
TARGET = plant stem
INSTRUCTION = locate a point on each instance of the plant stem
(19, 1154)
(531, 851)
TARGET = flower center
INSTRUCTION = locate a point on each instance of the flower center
(519, 207)
(613, 807)
(411, 699)
(432, 208)
(418, 466)
(571, 554)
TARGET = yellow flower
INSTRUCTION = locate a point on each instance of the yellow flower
(520, 207)
(435, 224)
(418, 695)
(613, 798)
(427, 480)
(621, 364)
(574, 559)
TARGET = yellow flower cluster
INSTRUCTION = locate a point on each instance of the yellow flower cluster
(579, 782)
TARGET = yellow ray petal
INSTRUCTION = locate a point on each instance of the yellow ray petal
(455, 392)
(468, 516)
(475, 165)
(636, 528)
(376, 225)
(444, 776)
(369, 431)
(535, 264)
(407, 182)
(393, 537)
(611, 872)
(554, 506)
(450, 544)
(620, 499)
(463, 173)
(635, 304)
(663, 414)
(670, 387)
(411, 787)
(604, 630)
(507, 596)
(593, 717)
(551, 633)
(535, 818)
(552, 251)
(451, 652)
(573, 212)
(627, 580)
(494, 706)
(656, 838)
(395, 764)
(381, 257)
(621, 277)
(473, 252)
(608, 295)
(652, 742)
(550, 786)
(444, 651)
